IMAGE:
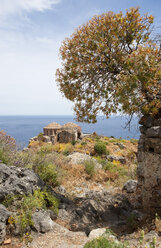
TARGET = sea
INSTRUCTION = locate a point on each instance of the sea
(22, 128)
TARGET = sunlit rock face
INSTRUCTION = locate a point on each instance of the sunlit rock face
(149, 163)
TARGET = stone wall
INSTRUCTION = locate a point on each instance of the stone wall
(66, 136)
(149, 163)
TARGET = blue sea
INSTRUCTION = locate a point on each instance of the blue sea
(22, 128)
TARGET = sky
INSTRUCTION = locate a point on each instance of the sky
(31, 32)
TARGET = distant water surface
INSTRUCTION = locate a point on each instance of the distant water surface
(22, 128)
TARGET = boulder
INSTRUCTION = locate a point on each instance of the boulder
(14, 180)
(112, 158)
(46, 138)
(97, 233)
(120, 145)
(4, 215)
(153, 132)
(42, 221)
(130, 186)
(79, 158)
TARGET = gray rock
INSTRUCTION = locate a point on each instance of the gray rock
(4, 215)
(61, 189)
(120, 145)
(46, 139)
(146, 121)
(153, 132)
(97, 233)
(2, 232)
(111, 158)
(79, 158)
(33, 139)
(14, 180)
(97, 207)
(130, 186)
(64, 215)
(42, 221)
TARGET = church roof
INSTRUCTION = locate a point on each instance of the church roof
(71, 125)
(53, 125)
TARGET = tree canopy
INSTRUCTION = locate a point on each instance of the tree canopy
(109, 65)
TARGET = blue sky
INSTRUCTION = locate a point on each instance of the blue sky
(31, 32)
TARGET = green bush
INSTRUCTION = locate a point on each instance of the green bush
(109, 166)
(89, 167)
(134, 141)
(100, 148)
(48, 174)
(8, 148)
(73, 142)
(102, 242)
(83, 143)
(67, 149)
(25, 206)
(40, 137)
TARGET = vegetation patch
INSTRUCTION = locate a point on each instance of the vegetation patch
(25, 206)
(103, 242)
(100, 148)
(48, 174)
(89, 167)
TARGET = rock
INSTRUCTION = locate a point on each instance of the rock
(60, 189)
(146, 121)
(33, 139)
(112, 158)
(14, 180)
(98, 207)
(25, 149)
(4, 215)
(79, 158)
(64, 215)
(97, 233)
(7, 242)
(149, 160)
(153, 132)
(42, 221)
(120, 145)
(2, 232)
(46, 139)
(130, 186)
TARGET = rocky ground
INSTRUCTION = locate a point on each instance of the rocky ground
(89, 203)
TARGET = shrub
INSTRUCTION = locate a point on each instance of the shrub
(83, 143)
(73, 142)
(134, 141)
(67, 149)
(25, 206)
(7, 148)
(48, 174)
(100, 148)
(109, 166)
(102, 242)
(115, 168)
(89, 167)
(40, 137)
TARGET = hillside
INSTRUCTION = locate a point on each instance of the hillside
(83, 185)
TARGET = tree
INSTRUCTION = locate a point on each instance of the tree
(110, 64)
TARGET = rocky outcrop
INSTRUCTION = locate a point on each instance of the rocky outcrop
(96, 209)
(149, 163)
(80, 158)
(112, 158)
(14, 181)
(42, 221)
(4, 215)
(130, 186)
